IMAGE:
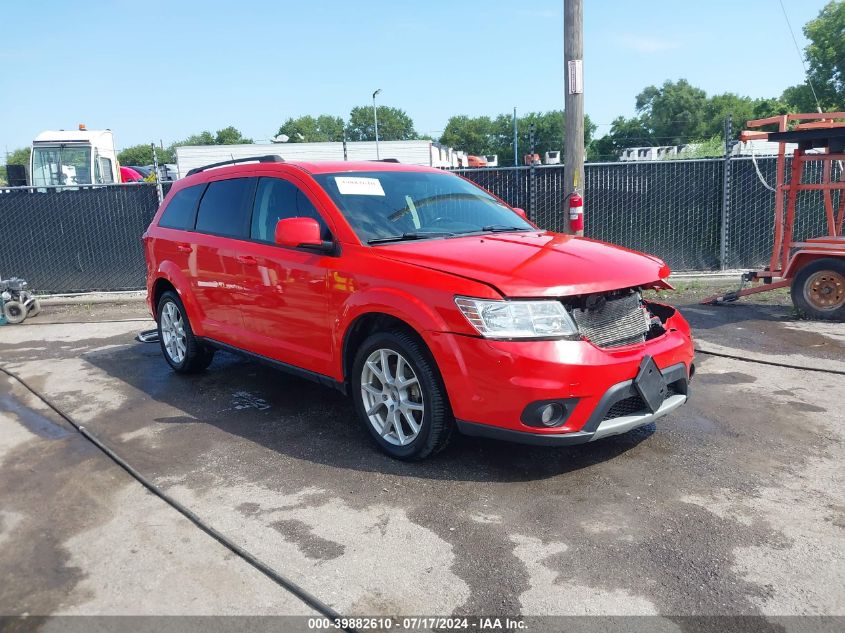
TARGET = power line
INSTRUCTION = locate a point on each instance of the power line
(800, 56)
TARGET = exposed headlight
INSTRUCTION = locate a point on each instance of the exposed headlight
(518, 319)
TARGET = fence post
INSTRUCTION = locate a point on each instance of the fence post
(532, 182)
(159, 190)
(726, 195)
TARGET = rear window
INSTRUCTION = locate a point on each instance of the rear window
(225, 208)
(179, 212)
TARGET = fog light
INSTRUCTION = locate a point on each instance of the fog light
(550, 414)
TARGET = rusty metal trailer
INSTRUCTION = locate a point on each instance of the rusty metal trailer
(813, 269)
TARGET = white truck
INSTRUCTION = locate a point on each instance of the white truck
(73, 158)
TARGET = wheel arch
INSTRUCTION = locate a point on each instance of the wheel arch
(169, 277)
(367, 323)
(804, 257)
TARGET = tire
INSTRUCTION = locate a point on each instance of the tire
(14, 311)
(818, 290)
(434, 421)
(181, 349)
(34, 307)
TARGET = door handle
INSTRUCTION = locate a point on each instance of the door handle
(247, 260)
(184, 248)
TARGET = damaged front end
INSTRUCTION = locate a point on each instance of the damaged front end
(620, 317)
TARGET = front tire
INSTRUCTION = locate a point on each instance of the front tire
(818, 289)
(399, 396)
(181, 349)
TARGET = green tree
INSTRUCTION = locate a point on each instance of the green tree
(393, 124)
(481, 135)
(231, 136)
(309, 129)
(143, 155)
(19, 156)
(674, 112)
(473, 135)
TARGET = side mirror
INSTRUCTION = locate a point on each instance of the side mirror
(301, 233)
(521, 213)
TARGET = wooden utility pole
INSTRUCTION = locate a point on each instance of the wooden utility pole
(573, 55)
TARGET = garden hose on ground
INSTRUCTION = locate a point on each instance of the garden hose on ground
(836, 372)
(284, 582)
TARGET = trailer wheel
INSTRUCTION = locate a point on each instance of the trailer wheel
(14, 311)
(819, 289)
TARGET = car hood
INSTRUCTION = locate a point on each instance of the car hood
(534, 264)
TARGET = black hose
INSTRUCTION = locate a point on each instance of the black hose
(745, 359)
(268, 571)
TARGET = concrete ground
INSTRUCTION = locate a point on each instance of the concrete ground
(735, 504)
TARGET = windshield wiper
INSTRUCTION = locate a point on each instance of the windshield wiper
(412, 235)
(497, 228)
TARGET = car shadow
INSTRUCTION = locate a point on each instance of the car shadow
(306, 421)
(707, 317)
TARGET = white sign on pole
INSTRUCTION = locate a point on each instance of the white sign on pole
(576, 77)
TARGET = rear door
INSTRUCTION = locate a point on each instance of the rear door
(217, 276)
(175, 242)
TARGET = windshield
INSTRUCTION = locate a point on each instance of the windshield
(385, 206)
(61, 165)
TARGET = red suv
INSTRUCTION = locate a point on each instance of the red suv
(429, 301)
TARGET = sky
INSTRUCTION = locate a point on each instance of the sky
(161, 71)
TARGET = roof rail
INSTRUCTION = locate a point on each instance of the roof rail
(270, 158)
(385, 160)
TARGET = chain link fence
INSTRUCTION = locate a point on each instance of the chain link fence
(76, 240)
(671, 209)
(749, 217)
(695, 214)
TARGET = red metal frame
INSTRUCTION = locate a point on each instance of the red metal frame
(788, 256)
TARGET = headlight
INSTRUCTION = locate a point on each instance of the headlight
(518, 319)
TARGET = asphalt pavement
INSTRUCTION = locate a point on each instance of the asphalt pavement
(733, 505)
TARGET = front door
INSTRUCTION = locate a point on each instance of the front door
(285, 312)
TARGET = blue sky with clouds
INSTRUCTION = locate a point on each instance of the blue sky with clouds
(165, 70)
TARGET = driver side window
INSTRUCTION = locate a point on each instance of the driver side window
(277, 199)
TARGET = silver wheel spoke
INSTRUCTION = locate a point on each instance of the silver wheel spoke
(397, 426)
(385, 366)
(374, 408)
(409, 418)
(376, 370)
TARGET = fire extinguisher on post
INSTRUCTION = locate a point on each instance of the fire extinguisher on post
(576, 213)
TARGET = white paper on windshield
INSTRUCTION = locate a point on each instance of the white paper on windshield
(352, 186)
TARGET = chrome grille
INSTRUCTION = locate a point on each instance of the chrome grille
(620, 321)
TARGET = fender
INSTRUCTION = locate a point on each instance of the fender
(423, 318)
(172, 273)
(805, 256)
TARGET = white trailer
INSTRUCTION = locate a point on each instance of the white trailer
(73, 158)
(426, 153)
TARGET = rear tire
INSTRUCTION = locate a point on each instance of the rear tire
(34, 307)
(411, 395)
(818, 289)
(181, 349)
(14, 311)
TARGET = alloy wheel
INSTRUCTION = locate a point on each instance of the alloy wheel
(392, 397)
(173, 336)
